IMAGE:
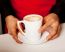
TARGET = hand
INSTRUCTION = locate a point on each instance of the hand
(51, 24)
(11, 23)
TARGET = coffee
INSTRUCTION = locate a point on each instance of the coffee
(33, 17)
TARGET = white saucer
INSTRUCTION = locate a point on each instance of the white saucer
(25, 40)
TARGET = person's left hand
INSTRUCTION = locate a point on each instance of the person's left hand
(52, 25)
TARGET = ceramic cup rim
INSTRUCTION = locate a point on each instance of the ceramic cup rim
(41, 17)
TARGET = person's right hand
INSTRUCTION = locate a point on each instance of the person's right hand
(11, 23)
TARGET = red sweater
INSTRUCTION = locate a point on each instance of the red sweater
(25, 7)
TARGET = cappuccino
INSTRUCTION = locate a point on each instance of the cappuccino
(33, 17)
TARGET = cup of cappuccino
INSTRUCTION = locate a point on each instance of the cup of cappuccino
(31, 34)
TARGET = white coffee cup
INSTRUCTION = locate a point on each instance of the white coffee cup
(31, 34)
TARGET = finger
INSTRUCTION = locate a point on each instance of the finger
(16, 39)
(50, 36)
(58, 33)
(47, 24)
(53, 32)
(14, 35)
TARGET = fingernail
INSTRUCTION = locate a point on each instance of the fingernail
(19, 42)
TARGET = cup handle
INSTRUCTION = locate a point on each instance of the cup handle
(18, 22)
